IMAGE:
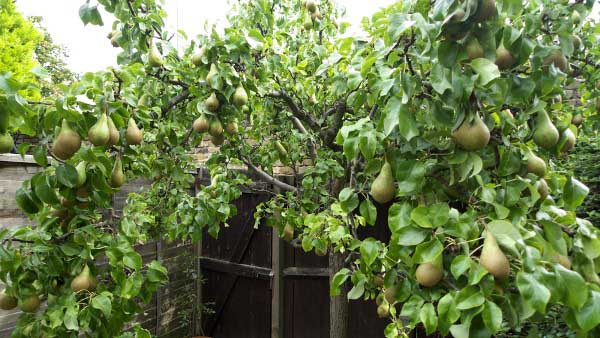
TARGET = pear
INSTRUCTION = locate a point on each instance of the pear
(307, 22)
(545, 134)
(30, 304)
(7, 302)
(429, 274)
(240, 97)
(133, 135)
(217, 140)
(493, 259)
(562, 260)
(576, 17)
(536, 165)
(577, 43)
(216, 128)
(312, 99)
(458, 15)
(383, 188)
(504, 59)
(84, 281)
(568, 137)
(558, 60)
(154, 57)
(281, 150)
(378, 281)
(114, 38)
(288, 232)
(474, 49)
(201, 124)
(383, 310)
(320, 251)
(67, 143)
(197, 58)
(577, 119)
(114, 137)
(212, 103)
(486, 10)
(211, 73)
(472, 136)
(99, 133)
(542, 188)
(117, 178)
(81, 173)
(316, 15)
(231, 128)
(311, 6)
(598, 103)
(390, 294)
(6, 143)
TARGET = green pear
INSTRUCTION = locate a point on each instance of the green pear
(117, 177)
(216, 128)
(7, 302)
(211, 73)
(197, 58)
(535, 164)
(81, 173)
(576, 17)
(114, 38)
(201, 124)
(307, 22)
(577, 119)
(567, 140)
(472, 136)
(542, 188)
(217, 140)
(154, 57)
(114, 137)
(84, 281)
(67, 143)
(6, 143)
(281, 150)
(545, 133)
(231, 128)
(493, 259)
(474, 49)
(288, 232)
(383, 310)
(383, 188)
(311, 6)
(240, 97)
(429, 274)
(30, 304)
(212, 103)
(486, 10)
(577, 43)
(133, 135)
(504, 59)
(99, 133)
(558, 60)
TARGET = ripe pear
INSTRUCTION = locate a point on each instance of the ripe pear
(542, 188)
(493, 259)
(577, 119)
(311, 6)
(383, 188)
(231, 128)
(84, 281)
(545, 134)
(133, 135)
(217, 140)
(536, 165)
(7, 302)
(6, 143)
(474, 49)
(67, 143)
(212, 73)
(240, 97)
(154, 57)
(216, 128)
(504, 59)
(201, 124)
(81, 173)
(99, 133)
(486, 10)
(558, 60)
(30, 304)
(307, 22)
(472, 136)
(429, 274)
(383, 310)
(568, 137)
(288, 232)
(117, 177)
(114, 137)
(281, 150)
(212, 103)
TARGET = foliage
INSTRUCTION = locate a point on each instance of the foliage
(347, 105)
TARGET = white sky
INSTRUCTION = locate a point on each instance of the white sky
(90, 50)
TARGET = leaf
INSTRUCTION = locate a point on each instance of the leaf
(429, 318)
(336, 282)
(70, 319)
(357, 290)
(133, 260)
(348, 200)
(102, 303)
(391, 116)
(408, 128)
(577, 290)
(399, 216)
(255, 39)
(532, 291)
(486, 69)
(460, 265)
(420, 215)
(428, 251)
(367, 143)
(90, 14)
(589, 316)
(474, 300)
(410, 235)
(67, 175)
(447, 310)
(369, 250)
(574, 193)
(492, 316)
(440, 78)
(368, 211)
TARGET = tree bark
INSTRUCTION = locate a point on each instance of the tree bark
(338, 306)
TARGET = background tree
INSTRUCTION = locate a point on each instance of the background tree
(445, 121)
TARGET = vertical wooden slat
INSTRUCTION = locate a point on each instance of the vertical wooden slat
(197, 317)
(277, 297)
(158, 297)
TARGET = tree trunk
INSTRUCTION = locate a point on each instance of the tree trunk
(338, 306)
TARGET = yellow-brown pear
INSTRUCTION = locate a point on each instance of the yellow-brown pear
(133, 135)
(67, 143)
(493, 259)
(472, 136)
(383, 188)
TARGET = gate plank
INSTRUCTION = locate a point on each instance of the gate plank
(238, 269)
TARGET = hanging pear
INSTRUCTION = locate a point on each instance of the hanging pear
(281, 150)
(240, 97)
(567, 139)
(217, 140)
(6, 143)
(201, 124)
(474, 49)
(81, 173)
(216, 128)
(154, 57)
(493, 259)
(30, 304)
(197, 58)
(288, 232)
(577, 120)
(311, 6)
(307, 22)
(133, 135)
(558, 60)
(84, 281)
(117, 178)
(212, 103)
(67, 143)
(504, 59)
(535, 164)
(383, 310)
(231, 128)
(7, 302)
(430, 273)
(545, 134)
(472, 136)
(99, 133)
(383, 188)
(486, 10)
(114, 137)
(211, 73)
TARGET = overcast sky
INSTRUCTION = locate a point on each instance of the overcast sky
(90, 50)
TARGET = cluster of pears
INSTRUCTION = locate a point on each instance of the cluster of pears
(383, 188)
(547, 136)
(311, 15)
(472, 135)
(29, 304)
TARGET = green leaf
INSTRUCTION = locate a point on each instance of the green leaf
(428, 251)
(90, 14)
(67, 175)
(420, 215)
(348, 200)
(486, 69)
(368, 211)
(574, 193)
(474, 300)
(410, 235)
(589, 316)
(391, 115)
(399, 216)
(460, 265)
(448, 314)
(336, 282)
(440, 78)
(133, 260)
(102, 303)
(357, 290)
(429, 318)
(369, 250)
(45, 193)
(492, 316)
(70, 319)
(532, 291)
(577, 290)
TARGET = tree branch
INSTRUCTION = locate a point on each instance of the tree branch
(311, 145)
(176, 100)
(299, 113)
(268, 178)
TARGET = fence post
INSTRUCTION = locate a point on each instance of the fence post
(277, 296)
(197, 318)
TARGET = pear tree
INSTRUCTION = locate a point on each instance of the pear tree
(440, 121)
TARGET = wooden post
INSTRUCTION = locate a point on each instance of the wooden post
(277, 296)
(158, 297)
(338, 306)
(197, 318)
